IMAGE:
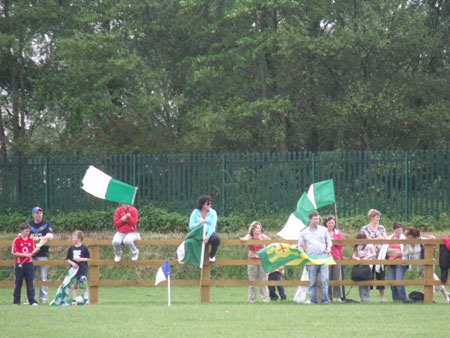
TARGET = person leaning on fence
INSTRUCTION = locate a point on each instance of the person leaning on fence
(363, 252)
(205, 214)
(374, 230)
(316, 242)
(416, 251)
(78, 256)
(394, 252)
(256, 272)
(23, 251)
(336, 271)
(125, 221)
(41, 232)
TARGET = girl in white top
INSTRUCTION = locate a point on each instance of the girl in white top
(364, 252)
(415, 252)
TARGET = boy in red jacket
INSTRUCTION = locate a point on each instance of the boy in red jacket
(23, 250)
(125, 221)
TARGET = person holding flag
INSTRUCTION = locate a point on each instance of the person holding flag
(204, 215)
(125, 221)
(316, 242)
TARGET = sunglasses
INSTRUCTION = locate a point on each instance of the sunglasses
(209, 203)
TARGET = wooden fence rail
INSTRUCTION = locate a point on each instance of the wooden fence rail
(206, 282)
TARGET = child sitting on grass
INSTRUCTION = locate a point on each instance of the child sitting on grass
(78, 256)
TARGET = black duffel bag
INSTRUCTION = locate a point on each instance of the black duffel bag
(361, 273)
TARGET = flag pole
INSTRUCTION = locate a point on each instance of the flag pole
(335, 213)
(203, 247)
(168, 287)
(202, 256)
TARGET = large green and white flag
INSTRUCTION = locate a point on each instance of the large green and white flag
(192, 249)
(319, 194)
(101, 185)
(62, 294)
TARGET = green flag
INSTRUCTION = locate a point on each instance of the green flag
(319, 194)
(279, 254)
(322, 193)
(190, 251)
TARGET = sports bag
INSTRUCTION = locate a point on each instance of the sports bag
(361, 272)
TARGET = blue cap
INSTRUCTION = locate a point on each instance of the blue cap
(36, 209)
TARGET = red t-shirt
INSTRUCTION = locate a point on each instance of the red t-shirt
(130, 225)
(23, 246)
(336, 248)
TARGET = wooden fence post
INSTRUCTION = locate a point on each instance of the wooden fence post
(428, 273)
(95, 274)
(205, 277)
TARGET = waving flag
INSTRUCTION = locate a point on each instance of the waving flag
(103, 186)
(191, 250)
(163, 273)
(319, 194)
(279, 254)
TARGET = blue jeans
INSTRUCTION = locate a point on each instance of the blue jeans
(314, 271)
(397, 272)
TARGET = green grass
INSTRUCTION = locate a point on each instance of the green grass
(143, 311)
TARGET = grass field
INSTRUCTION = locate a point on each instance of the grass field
(143, 311)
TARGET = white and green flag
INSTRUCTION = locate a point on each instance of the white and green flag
(62, 297)
(192, 249)
(319, 194)
(103, 186)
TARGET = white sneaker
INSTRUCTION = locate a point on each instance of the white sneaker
(35, 304)
(117, 258)
(212, 259)
(135, 257)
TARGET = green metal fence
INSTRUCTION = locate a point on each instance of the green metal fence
(395, 182)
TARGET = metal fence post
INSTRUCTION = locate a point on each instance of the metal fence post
(224, 184)
(406, 185)
(47, 185)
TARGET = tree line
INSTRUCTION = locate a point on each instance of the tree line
(139, 76)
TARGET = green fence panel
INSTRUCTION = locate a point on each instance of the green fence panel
(396, 182)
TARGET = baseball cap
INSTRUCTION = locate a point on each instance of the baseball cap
(36, 209)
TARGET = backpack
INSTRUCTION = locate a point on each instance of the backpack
(416, 296)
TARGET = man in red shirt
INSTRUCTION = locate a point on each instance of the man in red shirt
(125, 221)
(23, 250)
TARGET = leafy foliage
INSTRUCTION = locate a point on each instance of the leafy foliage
(107, 76)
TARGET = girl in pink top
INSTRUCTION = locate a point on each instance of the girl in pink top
(256, 271)
(336, 271)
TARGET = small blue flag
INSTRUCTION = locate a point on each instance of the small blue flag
(163, 273)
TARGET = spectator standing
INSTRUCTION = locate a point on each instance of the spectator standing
(23, 250)
(256, 271)
(336, 271)
(277, 275)
(41, 232)
(316, 242)
(363, 252)
(374, 230)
